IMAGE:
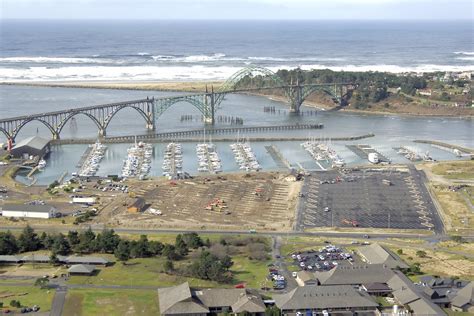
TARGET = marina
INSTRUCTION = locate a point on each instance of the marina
(138, 161)
(324, 156)
(173, 161)
(208, 158)
(245, 157)
(93, 155)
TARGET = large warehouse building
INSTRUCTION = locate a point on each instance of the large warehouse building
(31, 146)
(25, 210)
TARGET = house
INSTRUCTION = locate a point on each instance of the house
(137, 205)
(464, 299)
(355, 275)
(81, 269)
(182, 300)
(377, 254)
(335, 298)
(306, 278)
(31, 146)
(28, 211)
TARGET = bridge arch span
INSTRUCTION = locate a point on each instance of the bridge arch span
(5, 133)
(71, 115)
(22, 124)
(109, 118)
(162, 106)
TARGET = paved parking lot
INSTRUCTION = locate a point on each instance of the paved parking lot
(367, 198)
(323, 259)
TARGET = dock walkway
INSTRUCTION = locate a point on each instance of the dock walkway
(363, 152)
(278, 157)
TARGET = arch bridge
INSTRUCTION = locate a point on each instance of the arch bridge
(207, 103)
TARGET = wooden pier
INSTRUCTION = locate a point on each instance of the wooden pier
(363, 152)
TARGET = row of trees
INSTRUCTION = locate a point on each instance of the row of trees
(107, 241)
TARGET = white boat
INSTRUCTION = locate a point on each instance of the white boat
(373, 158)
(41, 164)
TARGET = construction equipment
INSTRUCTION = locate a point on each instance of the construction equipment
(351, 222)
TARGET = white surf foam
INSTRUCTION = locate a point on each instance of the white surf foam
(464, 53)
(181, 72)
(63, 60)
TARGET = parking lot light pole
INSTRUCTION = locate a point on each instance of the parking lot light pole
(389, 220)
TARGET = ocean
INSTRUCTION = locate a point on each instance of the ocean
(214, 50)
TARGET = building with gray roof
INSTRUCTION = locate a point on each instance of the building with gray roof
(177, 300)
(464, 299)
(27, 210)
(81, 269)
(377, 254)
(5, 259)
(355, 275)
(31, 146)
(334, 298)
(407, 293)
(86, 260)
(182, 299)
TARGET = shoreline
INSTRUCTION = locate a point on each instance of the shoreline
(200, 87)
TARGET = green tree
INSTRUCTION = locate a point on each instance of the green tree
(87, 242)
(180, 246)
(169, 252)
(168, 266)
(73, 237)
(8, 243)
(122, 252)
(53, 259)
(155, 247)
(15, 303)
(192, 240)
(400, 251)
(272, 311)
(42, 283)
(60, 245)
(421, 253)
(28, 240)
(107, 241)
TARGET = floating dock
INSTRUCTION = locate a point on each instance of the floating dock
(278, 157)
(363, 152)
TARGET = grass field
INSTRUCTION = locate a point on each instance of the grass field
(27, 295)
(459, 219)
(148, 272)
(87, 302)
(462, 170)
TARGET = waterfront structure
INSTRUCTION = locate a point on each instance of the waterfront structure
(151, 108)
(31, 146)
(28, 211)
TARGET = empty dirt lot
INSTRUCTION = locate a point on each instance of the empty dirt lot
(263, 201)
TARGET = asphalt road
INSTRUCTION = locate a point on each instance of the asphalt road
(382, 235)
(58, 301)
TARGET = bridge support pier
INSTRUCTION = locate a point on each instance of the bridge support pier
(56, 135)
(102, 132)
(150, 125)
